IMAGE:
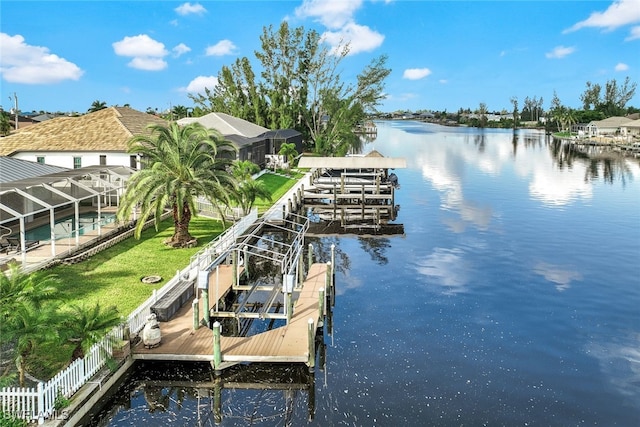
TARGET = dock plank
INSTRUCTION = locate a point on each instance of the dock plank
(287, 343)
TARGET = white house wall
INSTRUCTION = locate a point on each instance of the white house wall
(65, 159)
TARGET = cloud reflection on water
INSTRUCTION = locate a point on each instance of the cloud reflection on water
(445, 268)
(562, 277)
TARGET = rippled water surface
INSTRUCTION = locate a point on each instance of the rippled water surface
(512, 299)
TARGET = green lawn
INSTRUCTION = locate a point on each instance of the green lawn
(277, 185)
(112, 277)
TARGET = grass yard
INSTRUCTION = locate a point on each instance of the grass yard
(112, 277)
(277, 185)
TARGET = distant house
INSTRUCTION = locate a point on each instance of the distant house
(94, 139)
(254, 143)
(631, 128)
(608, 127)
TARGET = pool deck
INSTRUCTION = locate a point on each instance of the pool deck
(45, 251)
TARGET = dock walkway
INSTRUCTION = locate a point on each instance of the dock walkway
(288, 343)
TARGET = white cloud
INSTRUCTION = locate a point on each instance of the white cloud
(180, 49)
(559, 52)
(188, 8)
(416, 73)
(23, 63)
(223, 47)
(443, 81)
(620, 13)
(140, 45)
(332, 14)
(147, 64)
(198, 84)
(359, 37)
(634, 34)
(147, 53)
(621, 66)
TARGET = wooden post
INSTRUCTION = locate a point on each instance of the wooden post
(300, 269)
(310, 257)
(205, 301)
(333, 261)
(335, 201)
(288, 301)
(321, 307)
(217, 402)
(311, 333)
(196, 314)
(245, 261)
(234, 267)
(217, 351)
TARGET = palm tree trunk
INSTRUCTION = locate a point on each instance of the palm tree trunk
(181, 233)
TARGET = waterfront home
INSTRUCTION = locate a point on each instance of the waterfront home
(254, 143)
(94, 139)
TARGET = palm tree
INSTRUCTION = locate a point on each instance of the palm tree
(289, 151)
(97, 106)
(180, 165)
(84, 326)
(30, 327)
(18, 289)
(244, 169)
(249, 191)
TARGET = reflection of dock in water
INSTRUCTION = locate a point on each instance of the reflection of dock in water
(352, 194)
(275, 392)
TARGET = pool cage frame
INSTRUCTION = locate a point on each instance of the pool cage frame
(23, 203)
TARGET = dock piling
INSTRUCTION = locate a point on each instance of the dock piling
(196, 314)
(311, 363)
(321, 306)
(217, 353)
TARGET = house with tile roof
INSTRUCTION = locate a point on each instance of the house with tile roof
(94, 139)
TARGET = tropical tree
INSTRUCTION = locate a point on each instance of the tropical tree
(178, 112)
(5, 124)
(180, 165)
(244, 169)
(29, 328)
(25, 315)
(516, 115)
(249, 191)
(18, 289)
(300, 87)
(289, 151)
(482, 115)
(97, 105)
(83, 326)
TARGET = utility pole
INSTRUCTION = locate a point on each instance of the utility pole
(15, 109)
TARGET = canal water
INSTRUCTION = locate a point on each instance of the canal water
(513, 298)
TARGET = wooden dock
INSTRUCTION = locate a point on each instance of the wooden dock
(289, 343)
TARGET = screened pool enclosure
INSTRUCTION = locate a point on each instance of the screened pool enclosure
(41, 211)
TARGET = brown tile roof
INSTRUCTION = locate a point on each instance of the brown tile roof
(105, 130)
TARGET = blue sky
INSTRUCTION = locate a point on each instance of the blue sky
(63, 55)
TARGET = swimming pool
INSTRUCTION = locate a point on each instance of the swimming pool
(66, 227)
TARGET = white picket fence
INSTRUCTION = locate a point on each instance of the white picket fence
(38, 403)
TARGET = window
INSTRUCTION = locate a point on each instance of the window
(103, 160)
(77, 162)
(40, 159)
(133, 163)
